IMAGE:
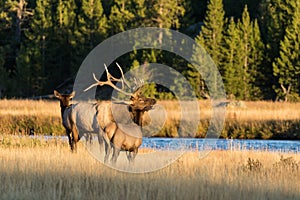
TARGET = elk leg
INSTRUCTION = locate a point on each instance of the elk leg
(100, 141)
(107, 147)
(134, 153)
(103, 136)
(75, 138)
(128, 154)
(115, 154)
(88, 138)
(68, 133)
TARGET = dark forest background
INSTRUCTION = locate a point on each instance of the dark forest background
(254, 43)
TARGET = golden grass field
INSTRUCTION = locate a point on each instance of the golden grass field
(259, 110)
(46, 169)
(260, 120)
(50, 171)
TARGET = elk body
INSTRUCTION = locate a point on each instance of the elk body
(83, 118)
(127, 137)
(124, 137)
(79, 119)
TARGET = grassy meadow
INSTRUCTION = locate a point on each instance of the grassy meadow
(32, 168)
(48, 170)
(244, 120)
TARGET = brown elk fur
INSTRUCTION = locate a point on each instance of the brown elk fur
(79, 119)
(128, 137)
(68, 123)
(87, 117)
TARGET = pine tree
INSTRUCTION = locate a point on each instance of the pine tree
(165, 13)
(210, 38)
(257, 72)
(33, 55)
(93, 25)
(64, 41)
(211, 33)
(251, 53)
(287, 66)
(121, 16)
(3, 24)
(242, 58)
(275, 17)
(14, 15)
(245, 29)
(232, 61)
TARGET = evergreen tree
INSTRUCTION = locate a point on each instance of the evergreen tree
(64, 62)
(33, 57)
(211, 33)
(257, 72)
(165, 13)
(121, 16)
(275, 16)
(93, 24)
(232, 61)
(3, 25)
(242, 58)
(210, 38)
(251, 55)
(287, 66)
(245, 29)
(14, 15)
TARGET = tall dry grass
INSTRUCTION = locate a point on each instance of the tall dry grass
(52, 172)
(17, 107)
(258, 110)
(261, 119)
(244, 110)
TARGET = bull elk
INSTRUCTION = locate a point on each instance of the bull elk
(126, 137)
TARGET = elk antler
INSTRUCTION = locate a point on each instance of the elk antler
(122, 75)
(110, 78)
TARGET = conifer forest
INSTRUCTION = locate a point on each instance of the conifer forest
(254, 43)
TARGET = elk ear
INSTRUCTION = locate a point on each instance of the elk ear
(72, 94)
(57, 94)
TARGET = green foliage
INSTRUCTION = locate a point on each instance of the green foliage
(210, 38)
(211, 33)
(275, 17)
(43, 42)
(242, 58)
(287, 66)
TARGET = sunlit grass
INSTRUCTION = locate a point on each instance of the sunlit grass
(258, 110)
(29, 108)
(49, 170)
(260, 119)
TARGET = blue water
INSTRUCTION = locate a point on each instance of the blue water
(192, 144)
(222, 144)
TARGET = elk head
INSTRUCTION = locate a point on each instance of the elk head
(138, 103)
(64, 100)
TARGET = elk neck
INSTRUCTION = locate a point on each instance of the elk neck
(63, 108)
(137, 117)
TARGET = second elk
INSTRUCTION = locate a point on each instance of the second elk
(124, 136)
